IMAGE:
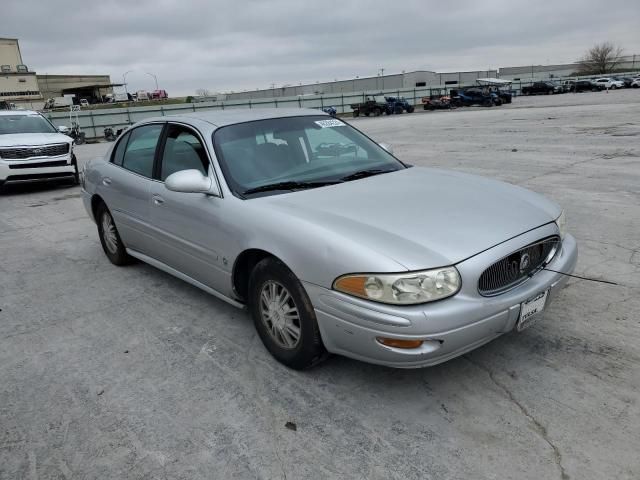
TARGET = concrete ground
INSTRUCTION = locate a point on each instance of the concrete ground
(110, 372)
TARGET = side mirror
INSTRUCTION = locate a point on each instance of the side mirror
(63, 129)
(191, 181)
(387, 147)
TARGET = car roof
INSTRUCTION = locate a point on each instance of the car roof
(221, 118)
(18, 112)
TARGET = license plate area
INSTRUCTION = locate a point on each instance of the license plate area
(531, 310)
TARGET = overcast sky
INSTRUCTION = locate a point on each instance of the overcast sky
(225, 45)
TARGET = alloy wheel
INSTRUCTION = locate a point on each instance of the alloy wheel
(109, 233)
(280, 315)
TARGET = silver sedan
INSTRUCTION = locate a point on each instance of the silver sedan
(332, 243)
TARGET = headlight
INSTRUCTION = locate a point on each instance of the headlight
(561, 221)
(402, 288)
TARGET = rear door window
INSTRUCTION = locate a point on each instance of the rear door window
(141, 149)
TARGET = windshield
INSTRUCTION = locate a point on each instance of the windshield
(313, 150)
(24, 124)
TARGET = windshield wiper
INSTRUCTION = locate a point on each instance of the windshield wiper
(365, 173)
(289, 185)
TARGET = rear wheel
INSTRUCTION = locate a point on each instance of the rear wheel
(613, 87)
(377, 112)
(356, 113)
(283, 315)
(110, 238)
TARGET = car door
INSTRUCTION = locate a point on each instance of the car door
(125, 186)
(187, 227)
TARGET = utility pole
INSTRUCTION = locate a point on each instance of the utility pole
(382, 75)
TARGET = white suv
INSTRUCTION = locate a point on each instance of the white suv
(32, 149)
(610, 83)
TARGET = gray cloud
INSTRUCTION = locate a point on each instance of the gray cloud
(233, 45)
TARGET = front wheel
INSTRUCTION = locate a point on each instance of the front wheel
(283, 315)
(356, 113)
(76, 172)
(613, 87)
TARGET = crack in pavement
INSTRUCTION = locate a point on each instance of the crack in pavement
(537, 426)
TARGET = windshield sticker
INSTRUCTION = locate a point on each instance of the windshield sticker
(330, 123)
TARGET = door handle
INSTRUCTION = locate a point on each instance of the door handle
(158, 200)
(106, 181)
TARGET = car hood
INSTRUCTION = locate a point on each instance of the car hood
(420, 217)
(32, 139)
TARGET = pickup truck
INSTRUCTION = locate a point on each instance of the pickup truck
(376, 105)
(536, 88)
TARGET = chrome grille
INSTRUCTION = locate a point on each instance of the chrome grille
(517, 267)
(22, 153)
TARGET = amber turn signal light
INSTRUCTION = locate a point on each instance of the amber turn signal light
(398, 343)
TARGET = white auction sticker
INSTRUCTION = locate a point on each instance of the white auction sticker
(330, 123)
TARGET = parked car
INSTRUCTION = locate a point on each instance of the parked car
(609, 83)
(586, 86)
(625, 80)
(537, 88)
(635, 83)
(33, 150)
(398, 105)
(325, 236)
(465, 97)
(373, 105)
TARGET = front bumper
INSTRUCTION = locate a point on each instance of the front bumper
(451, 327)
(36, 169)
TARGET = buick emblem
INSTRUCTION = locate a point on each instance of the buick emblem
(524, 262)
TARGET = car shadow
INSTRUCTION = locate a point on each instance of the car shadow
(36, 187)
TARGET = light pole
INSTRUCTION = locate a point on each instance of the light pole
(382, 75)
(155, 78)
(124, 80)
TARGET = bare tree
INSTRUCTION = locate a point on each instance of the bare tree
(203, 92)
(600, 59)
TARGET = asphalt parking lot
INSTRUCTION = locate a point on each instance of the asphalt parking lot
(110, 372)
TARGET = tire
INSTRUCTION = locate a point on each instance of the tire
(356, 113)
(410, 109)
(377, 112)
(613, 87)
(111, 243)
(367, 113)
(279, 321)
(76, 172)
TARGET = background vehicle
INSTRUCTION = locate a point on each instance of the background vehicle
(586, 86)
(635, 83)
(625, 80)
(398, 105)
(502, 88)
(331, 111)
(537, 88)
(437, 102)
(142, 95)
(372, 105)
(33, 150)
(609, 83)
(465, 97)
(159, 94)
